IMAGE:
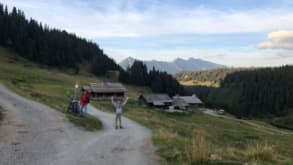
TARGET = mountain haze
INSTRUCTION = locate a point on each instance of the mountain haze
(175, 66)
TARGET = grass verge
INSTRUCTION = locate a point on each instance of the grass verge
(48, 86)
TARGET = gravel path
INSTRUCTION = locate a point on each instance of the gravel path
(34, 134)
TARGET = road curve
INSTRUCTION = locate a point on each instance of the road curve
(34, 134)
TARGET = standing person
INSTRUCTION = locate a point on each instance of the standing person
(84, 100)
(118, 109)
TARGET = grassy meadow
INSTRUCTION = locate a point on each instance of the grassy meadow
(192, 138)
(197, 138)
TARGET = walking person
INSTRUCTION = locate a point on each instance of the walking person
(84, 100)
(119, 104)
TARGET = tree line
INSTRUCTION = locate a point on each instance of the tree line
(255, 93)
(57, 48)
(51, 47)
(159, 82)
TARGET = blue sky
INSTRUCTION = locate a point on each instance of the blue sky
(229, 32)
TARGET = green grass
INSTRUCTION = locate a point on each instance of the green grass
(50, 86)
(195, 137)
(192, 138)
(45, 85)
(284, 122)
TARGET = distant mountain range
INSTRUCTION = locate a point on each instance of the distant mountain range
(176, 66)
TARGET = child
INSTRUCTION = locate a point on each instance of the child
(84, 100)
(118, 109)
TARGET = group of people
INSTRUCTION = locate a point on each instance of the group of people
(118, 103)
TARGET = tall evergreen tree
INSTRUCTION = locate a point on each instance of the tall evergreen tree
(51, 47)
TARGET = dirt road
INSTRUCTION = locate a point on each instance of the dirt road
(34, 134)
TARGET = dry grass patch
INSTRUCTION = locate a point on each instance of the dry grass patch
(199, 83)
(198, 152)
(261, 152)
(253, 153)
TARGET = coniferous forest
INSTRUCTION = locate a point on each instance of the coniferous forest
(50, 47)
(255, 93)
(56, 48)
(159, 82)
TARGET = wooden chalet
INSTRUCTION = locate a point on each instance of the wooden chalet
(182, 102)
(155, 100)
(105, 89)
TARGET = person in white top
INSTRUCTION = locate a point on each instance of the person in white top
(119, 104)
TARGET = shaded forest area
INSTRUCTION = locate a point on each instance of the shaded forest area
(50, 47)
(252, 93)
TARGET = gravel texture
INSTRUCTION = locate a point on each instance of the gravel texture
(34, 134)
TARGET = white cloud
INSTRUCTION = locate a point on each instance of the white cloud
(119, 19)
(112, 19)
(281, 35)
(278, 40)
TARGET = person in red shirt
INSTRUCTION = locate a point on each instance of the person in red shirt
(84, 100)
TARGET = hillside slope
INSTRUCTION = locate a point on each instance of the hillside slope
(245, 92)
(256, 93)
(50, 46)
(48, 85)
(235, 141)
(42, 84)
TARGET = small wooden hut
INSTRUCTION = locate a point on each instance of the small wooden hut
(105, 89)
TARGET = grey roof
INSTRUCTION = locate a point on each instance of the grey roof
(180, 102)
(156, 98)
(105, 87)
(190, 99)
(158, 103)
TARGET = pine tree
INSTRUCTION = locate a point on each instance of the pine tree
(51, 47)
